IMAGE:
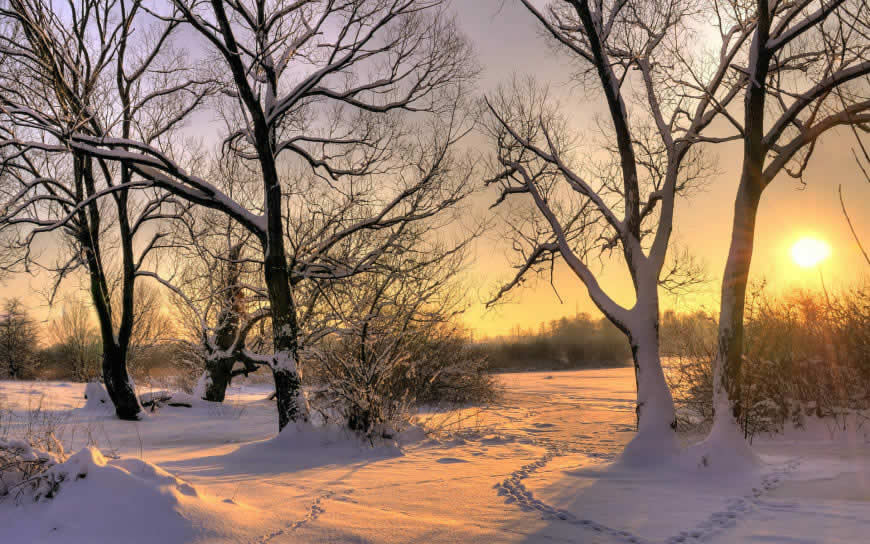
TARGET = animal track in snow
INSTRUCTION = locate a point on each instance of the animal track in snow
(516, 493)
(738, 508)
(314, 511)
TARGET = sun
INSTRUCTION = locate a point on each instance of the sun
(808, 252)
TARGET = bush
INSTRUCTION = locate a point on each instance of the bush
(373, 379)
(805, 354)
(26, 461)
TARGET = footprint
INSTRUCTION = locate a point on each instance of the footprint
(450, 460)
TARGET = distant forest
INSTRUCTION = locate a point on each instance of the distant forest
(567, 343)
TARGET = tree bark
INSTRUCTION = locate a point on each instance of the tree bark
(727, 366)
(288, 394)
(729, 353)
(288, 385)
(220, 374)
(115, 375)
(118, 384)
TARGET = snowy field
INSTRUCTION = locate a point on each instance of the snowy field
(537, 468)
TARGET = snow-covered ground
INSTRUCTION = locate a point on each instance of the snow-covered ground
(537, 468)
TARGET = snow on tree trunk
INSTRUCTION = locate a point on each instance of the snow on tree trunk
(218, 372)
(292, 407)
(656, 419)
(219, 365)
(288, 385)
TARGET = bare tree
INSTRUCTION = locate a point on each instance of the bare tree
(216, 286)
(81, 70)
(226, 303)
(366, 94)
(18, 340)
(660, 101)
(808, 67)
(77, 338)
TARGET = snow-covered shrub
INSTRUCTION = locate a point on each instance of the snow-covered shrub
(25, 467)
(804, 355)
(29, 448)
(381, 342)
(448, 370)
(374, 376)
(688, 343)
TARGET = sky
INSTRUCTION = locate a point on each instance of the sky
(508, 42)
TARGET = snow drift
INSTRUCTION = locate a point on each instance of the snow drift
(126, 500)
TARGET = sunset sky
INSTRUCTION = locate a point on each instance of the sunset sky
(508, 42)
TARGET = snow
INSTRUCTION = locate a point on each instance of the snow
(126, 497)
(97, 398)
(539, 467)
(285, 360)
(202, 385)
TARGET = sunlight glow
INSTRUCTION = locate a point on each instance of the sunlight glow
(808, 252)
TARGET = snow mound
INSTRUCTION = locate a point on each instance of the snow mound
(97, 398)
(649, 449)
(724, 451)
(304, 445)
(130, 500)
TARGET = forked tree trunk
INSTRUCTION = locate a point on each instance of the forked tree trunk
(220, 374)
(118, 384)
(114, 364)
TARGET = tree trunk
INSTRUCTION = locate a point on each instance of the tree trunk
(288, 385)
(219, 367)
(729, 355)
(655, 405)
(288, 394)
(220, 374)
(115, 375)
(118, 384)
(655, 440)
